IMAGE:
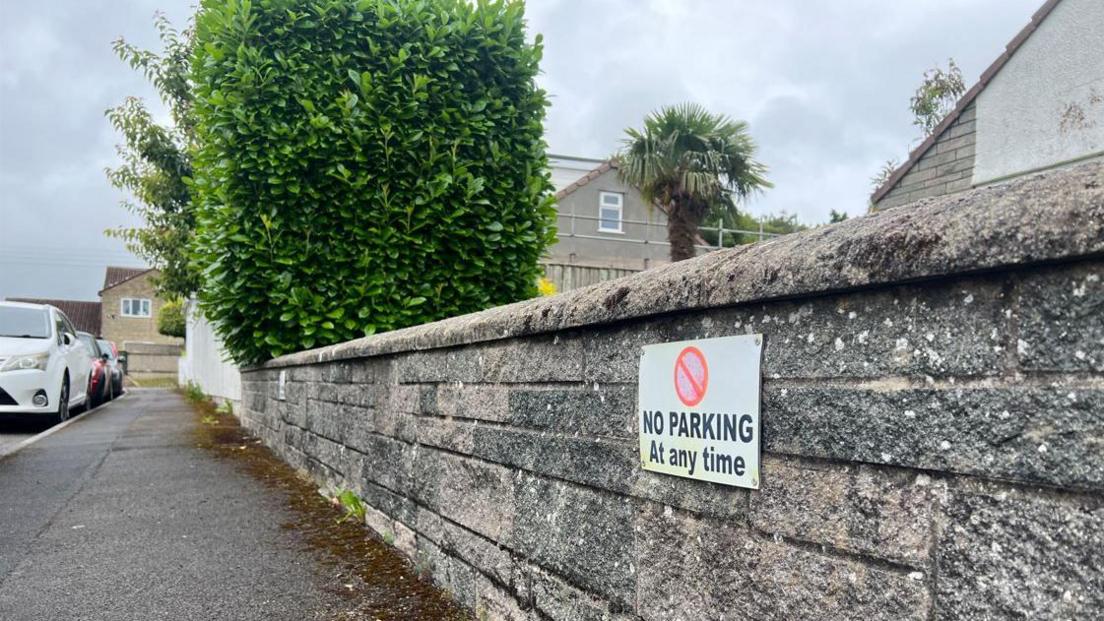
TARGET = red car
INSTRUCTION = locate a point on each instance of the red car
(99, 381)
(114, 365)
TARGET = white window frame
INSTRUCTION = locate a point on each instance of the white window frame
(145, 307)
(620, 207)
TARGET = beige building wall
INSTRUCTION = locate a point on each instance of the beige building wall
(641, 243)
(122, 329)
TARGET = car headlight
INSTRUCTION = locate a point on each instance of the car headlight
(23, 363)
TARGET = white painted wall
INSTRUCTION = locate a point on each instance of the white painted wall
(1046, 105)
(204, 360)
(568, 169)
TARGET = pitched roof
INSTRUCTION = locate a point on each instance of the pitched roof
(86, 316)
(966, 99)
(116, 276)
(602, 169)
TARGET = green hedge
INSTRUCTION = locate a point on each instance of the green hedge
(364, 166)
(170, 319)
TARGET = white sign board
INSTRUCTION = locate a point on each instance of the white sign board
(699, 409)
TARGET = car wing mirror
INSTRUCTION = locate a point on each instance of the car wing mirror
(69, 338)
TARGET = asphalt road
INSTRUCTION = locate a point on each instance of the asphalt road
(120, 516)
(14, 433)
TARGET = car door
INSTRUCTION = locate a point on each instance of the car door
(77, 358)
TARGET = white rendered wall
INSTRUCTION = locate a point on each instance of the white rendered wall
(204, 360)
(1046, 105)
(567, 170)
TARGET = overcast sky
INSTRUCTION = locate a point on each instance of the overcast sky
(823, 85)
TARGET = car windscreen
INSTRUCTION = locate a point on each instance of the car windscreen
(105, 347)
(27, 323)
(91, 343)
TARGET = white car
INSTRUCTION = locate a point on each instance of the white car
(44, 367)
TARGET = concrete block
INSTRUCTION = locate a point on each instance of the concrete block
(694, 569)
(1006, 554)
(386, 462)
(558, 600)
(1062, 319)
(590, 410)
(485, 555)
(963, 128)
(473, 401)
(953, 139)
(458, 364)
(860, 509)
(472, 493)
(536, 359)
(578, 532)
(931, 160)
(1042, 434)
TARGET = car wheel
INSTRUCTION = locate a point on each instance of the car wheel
(63, 402)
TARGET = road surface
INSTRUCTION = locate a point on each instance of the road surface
(14, 433)
(121, 516)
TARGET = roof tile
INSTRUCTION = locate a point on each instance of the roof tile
(115, 276)
(86, 316)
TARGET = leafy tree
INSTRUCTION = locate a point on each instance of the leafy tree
(156, 163)
(936, 96)
(690, 161)
(836, 216)
(933, 100)
(170, 319)
(364, 166)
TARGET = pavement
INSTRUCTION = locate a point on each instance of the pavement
(121, 516)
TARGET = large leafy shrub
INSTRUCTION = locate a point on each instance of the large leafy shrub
(170, 319)
(364, 166)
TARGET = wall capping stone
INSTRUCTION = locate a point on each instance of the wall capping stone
(1048, 217)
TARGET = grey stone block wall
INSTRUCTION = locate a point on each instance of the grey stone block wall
(946, 167)
(933, 443)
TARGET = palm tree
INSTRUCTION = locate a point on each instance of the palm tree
(688, 161)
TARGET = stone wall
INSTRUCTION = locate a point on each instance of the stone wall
(933, 427)
(152, 358)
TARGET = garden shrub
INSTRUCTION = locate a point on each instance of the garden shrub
(364, 166)
(170, 319)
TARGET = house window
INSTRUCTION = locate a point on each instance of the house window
(609, 212)
(136, 307)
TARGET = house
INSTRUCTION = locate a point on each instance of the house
(129, 308)
(1040, 105)
(604, 222)
(605, 228)
(126, 314)
(86, 316)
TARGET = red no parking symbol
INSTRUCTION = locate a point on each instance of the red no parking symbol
(691, 376)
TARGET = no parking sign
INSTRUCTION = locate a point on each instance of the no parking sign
(699, 409)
